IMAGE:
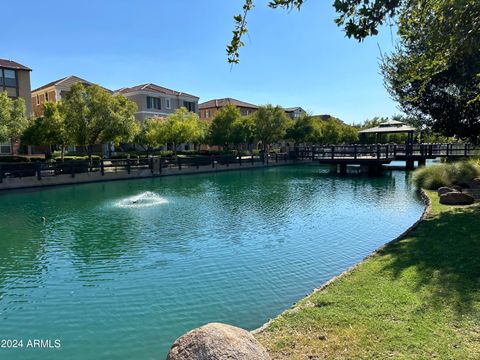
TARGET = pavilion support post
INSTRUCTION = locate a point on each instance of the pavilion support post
(422, 162)
(333, 168)
(343, 169)
(410, 164)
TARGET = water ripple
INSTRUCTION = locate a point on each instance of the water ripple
(119, 270)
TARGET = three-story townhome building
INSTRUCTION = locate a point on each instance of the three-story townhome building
(210, 108)
(157, 101)
(15, 81)
(54, 91)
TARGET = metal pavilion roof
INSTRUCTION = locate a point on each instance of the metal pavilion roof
(391, 126)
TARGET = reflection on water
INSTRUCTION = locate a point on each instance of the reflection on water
(233, 247)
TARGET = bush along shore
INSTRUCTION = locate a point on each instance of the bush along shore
(417, 297)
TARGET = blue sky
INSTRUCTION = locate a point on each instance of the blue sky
(291, 58)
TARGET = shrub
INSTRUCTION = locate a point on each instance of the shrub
(464, 172)
(435, 176)
(476, 161)
(79, 158)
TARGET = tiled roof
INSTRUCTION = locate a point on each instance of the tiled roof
(217, 103)
(9, 64)
(49, 84)
(59, 81)
(389, 127)
(292, 109)
(155, 88)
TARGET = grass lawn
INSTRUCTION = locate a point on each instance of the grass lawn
(417, 298)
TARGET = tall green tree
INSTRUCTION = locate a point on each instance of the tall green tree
(181, 127)
(150, 136)
(348, 135)
(13, 120)
(94, 116)
(434, 74)
(243, 131)
(304, 130)
(333, 131)
(221, 128)
(271, 124)
(48, 130)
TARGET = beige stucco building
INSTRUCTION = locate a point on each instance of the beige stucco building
(53, 91)
(15, 81)
(157, 101)
(210, 108)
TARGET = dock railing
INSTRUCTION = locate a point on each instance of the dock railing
(383, 151)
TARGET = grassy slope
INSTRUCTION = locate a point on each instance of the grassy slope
(418, 298)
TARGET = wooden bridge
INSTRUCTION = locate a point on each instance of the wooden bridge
(374, 156)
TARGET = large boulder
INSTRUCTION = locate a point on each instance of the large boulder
(445, 190)
(217, 341)
(456, 198)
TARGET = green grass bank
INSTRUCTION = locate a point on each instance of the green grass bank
(416, 298)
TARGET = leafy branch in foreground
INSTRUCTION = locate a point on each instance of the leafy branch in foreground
(359, 19)
(238, 32)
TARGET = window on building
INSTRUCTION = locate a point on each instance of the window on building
(189, 105)
(154, 103)
(10, 78)
(46, 96)
(168, 103)
(37, 98)
(207, 114)
(5, 148)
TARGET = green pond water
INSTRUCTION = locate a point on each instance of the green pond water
(119, 270)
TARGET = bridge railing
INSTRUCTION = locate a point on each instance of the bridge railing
(325, 152)
(383, 151)
(433, 150)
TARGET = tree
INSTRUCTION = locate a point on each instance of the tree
(221, 128)
(271, 124)
(348, 135)
(434, 73)
(243, 131)
(13, 120)
(181, 127)
(48, 130)
(303, 130)
(94, 116)
(151, 134)
(331, 132)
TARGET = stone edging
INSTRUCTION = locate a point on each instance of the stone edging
(426, 212)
